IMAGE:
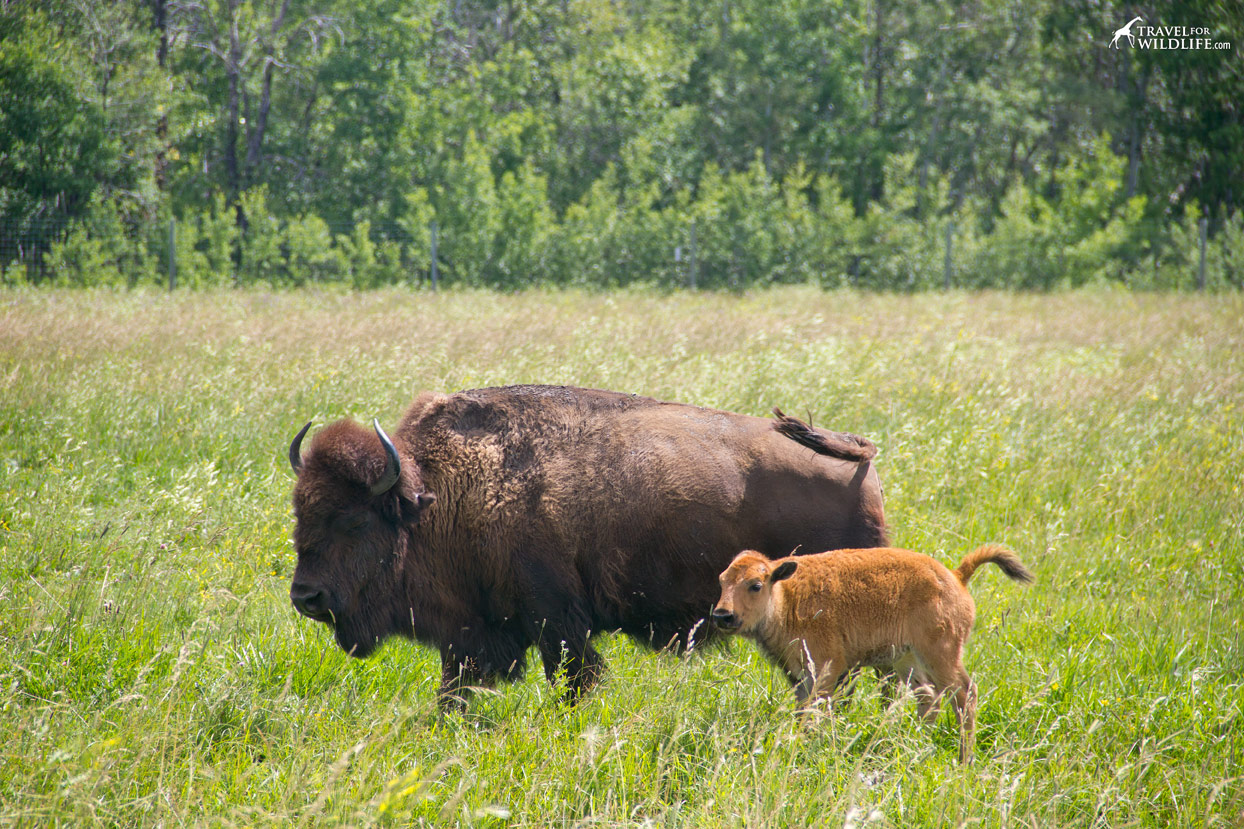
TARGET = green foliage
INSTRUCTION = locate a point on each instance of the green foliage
(261, 242)
(416, 224)
(584, 248)
(468, 216)
(586, 142)
(749, 229)
(524, 226)
(54, 149)
(1084, 232)
(838, 244)
(1176, 265)
(370, 264)
(900, 245)
(309, 251)
(99, 250)
(203, 247)
(1225, 254)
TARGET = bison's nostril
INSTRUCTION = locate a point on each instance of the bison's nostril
(309, 601)
(723, 618)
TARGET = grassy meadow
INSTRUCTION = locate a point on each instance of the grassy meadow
(152, 671)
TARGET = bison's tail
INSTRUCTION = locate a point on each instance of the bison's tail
(996, 554)
(842, 445)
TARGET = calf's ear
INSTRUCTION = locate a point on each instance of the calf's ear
(783, 571)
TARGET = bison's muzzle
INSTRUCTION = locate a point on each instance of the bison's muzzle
(311, 602)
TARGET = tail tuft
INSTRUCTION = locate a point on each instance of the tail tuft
(842, 445)
(997, 554)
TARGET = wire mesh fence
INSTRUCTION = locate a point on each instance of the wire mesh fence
(24, 245)
(665, 250)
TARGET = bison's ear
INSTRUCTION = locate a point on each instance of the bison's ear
(413, 507)
(783, 571)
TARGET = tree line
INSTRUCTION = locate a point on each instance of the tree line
(604, 142)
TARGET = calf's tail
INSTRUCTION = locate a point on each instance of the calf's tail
(842, 445)
(993, 554)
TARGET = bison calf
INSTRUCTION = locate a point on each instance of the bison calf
(903, 613)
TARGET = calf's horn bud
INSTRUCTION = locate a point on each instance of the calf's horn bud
(392, 469)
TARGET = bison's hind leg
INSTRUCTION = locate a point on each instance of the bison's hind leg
(948, 678)
(963, 698)
(578, 661)
(675, 636)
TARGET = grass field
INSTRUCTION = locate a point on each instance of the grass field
(153, 671)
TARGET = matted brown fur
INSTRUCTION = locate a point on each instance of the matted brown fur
(821, 616)
(545, 515)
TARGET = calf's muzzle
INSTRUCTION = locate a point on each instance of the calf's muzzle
(724, 619)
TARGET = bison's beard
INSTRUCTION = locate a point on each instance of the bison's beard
(358, 640)
(358, 647)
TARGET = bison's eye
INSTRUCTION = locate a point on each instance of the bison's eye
(351, 524)
(754, 587)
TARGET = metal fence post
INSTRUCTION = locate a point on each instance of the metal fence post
(946, 266)
(1200, 273)
(435, 276)
(693, 257)
(172, 254)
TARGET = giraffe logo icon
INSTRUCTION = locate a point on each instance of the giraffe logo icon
(1126, 32)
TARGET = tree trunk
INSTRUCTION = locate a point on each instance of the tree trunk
(1136, 135)
(233, 72)
(159, 22)
(877, 192)
(255, 133)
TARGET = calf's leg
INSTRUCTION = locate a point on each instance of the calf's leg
(821, 683)
(965, 711)
(950, 678)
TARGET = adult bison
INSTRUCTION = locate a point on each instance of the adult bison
(500, 518)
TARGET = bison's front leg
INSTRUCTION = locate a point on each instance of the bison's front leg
(573, 655)
(481, 655)
(459, 675)
(556, 615)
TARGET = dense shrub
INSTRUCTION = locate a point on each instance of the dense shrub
(734, 229)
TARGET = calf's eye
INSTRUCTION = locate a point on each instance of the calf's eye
(754, 587)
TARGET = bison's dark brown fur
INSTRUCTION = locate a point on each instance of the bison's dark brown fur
(544, 515)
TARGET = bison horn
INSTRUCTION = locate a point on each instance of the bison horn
(392, 469)
(295, 449)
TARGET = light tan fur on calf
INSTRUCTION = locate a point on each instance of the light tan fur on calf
(821, 616)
